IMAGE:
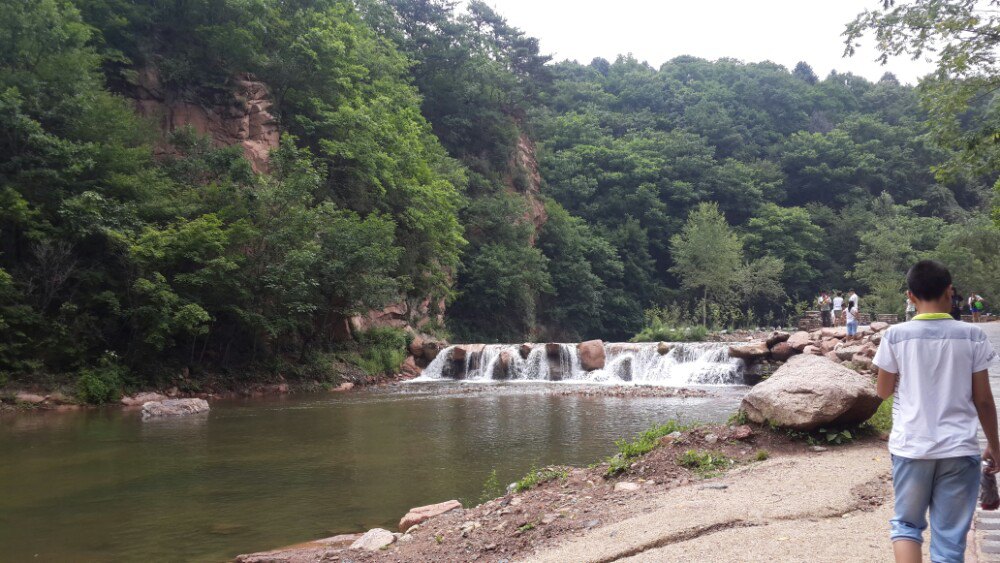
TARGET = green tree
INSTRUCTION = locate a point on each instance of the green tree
(708, 255)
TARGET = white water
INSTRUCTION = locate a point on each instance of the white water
(625, 364)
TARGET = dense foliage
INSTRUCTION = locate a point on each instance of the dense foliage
(725, 193)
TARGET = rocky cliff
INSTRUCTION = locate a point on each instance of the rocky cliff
(524, 178)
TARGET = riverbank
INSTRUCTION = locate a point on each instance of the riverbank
(692, 484)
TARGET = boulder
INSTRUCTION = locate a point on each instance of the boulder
(845, 353)
(316, 550)
(839, 332)
(591, 354)
(173, 407)
(553, 350)
(430, 350)
(344, 387)
(742, 432)
(663, 348)
(417, 347)
(502, 367)
(463, 351)
(30, 398)
(525, 350)
(140, 399)
(810, 392)
(869, 350)
(374, 540)
(828, 345)
(878, 326)
(421, 514)
(876, 338)
(832, 356)
(777, 337)
(812, 350)
(861, 361)
(799, 340)
(410, 368)
(750, 352)
(782, 351)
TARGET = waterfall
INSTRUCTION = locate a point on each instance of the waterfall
(638, 364)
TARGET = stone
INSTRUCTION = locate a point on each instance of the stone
(876, 338)
(777, 337)
(140, 399)
(410, 368)
(173, 407)
(832, 356)
(750, 352)
(502, 369)
(810, 392)
(344, 387)
(591, 354)
(878, 326)
(374, 540)
(663, 348)
(839, 332)
(553, 350)
(627, 486)
(417, 347)
(869, 350)
(845, 353)
(799, 340)
(61, 399)
(711, 439)
(525, 350)
(30, 398)
(432, 349)
(421, 514)
(782, 351)
(812, 350)
(742, 432)
(861, 361)
(828, 345)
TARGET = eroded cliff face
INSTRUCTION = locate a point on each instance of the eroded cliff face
(240, 118)
(524, 178)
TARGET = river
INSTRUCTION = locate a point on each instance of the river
(258, 474)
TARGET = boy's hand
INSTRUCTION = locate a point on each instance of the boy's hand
(992, 466)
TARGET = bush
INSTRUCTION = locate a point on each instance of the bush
(705, 464)
(667, 326)
(641, 445)
(491, 488)
(383, 350)
(101, 384)
(537, 476)
(881, 421)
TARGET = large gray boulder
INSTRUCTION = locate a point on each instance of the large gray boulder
(811, 392)
(173, 407)
(374, 540)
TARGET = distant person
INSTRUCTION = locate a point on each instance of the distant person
(851, 318)
(976, 306)
(937, 368)
(956, 304)
(853, 299)
(838, 307)
(911, 309)
(825, 309)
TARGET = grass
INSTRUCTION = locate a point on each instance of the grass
(881, 421)
(662, 333)
(629, 451)
(705, 464)
(738, 418)
(538, 476)
(762, 455)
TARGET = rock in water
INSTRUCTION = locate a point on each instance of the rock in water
(374, 540)
(751, 352)
(422, 514)
(173, 407)
(591, 355)
(142, 398)
(663, 348)
(809, 392)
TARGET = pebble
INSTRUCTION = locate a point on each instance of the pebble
(627, 486)
(818, 449)
(711, 438)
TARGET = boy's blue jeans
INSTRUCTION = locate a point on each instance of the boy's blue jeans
(949, 487)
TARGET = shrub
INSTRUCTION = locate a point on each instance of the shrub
(383, 350)
(537, 476)
(881, 421)
(491, 488)
(762, 455)
(641, 445)
(705, 464)
(101, 384)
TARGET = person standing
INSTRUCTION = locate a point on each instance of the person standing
(854, 300)
(937, 370)
(825, 306)
(911, 309)
(851, 316)
(838, 307)
(976, 306)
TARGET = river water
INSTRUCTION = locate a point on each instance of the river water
(253, 475)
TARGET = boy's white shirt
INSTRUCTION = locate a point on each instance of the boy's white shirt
(933, 415)
(838, 303)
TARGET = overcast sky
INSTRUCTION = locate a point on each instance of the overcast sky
(782, 31)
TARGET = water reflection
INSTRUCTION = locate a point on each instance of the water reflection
(102, 485)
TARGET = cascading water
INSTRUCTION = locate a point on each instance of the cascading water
(640, 364)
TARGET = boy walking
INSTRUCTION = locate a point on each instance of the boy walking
(936, 367)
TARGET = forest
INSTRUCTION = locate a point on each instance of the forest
(438, 158)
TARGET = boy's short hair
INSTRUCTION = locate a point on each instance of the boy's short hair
(928, 280)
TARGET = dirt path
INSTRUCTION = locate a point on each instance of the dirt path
(831, 506)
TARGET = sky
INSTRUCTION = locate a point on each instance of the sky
(781, 31)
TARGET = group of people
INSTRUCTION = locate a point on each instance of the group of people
(974, 305)
(838, 311)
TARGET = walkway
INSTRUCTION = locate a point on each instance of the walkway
(986, 530)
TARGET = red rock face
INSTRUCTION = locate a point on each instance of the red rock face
(524, 166)
(244, 120)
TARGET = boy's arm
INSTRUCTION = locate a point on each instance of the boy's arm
(982, 396)
(886, 385)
